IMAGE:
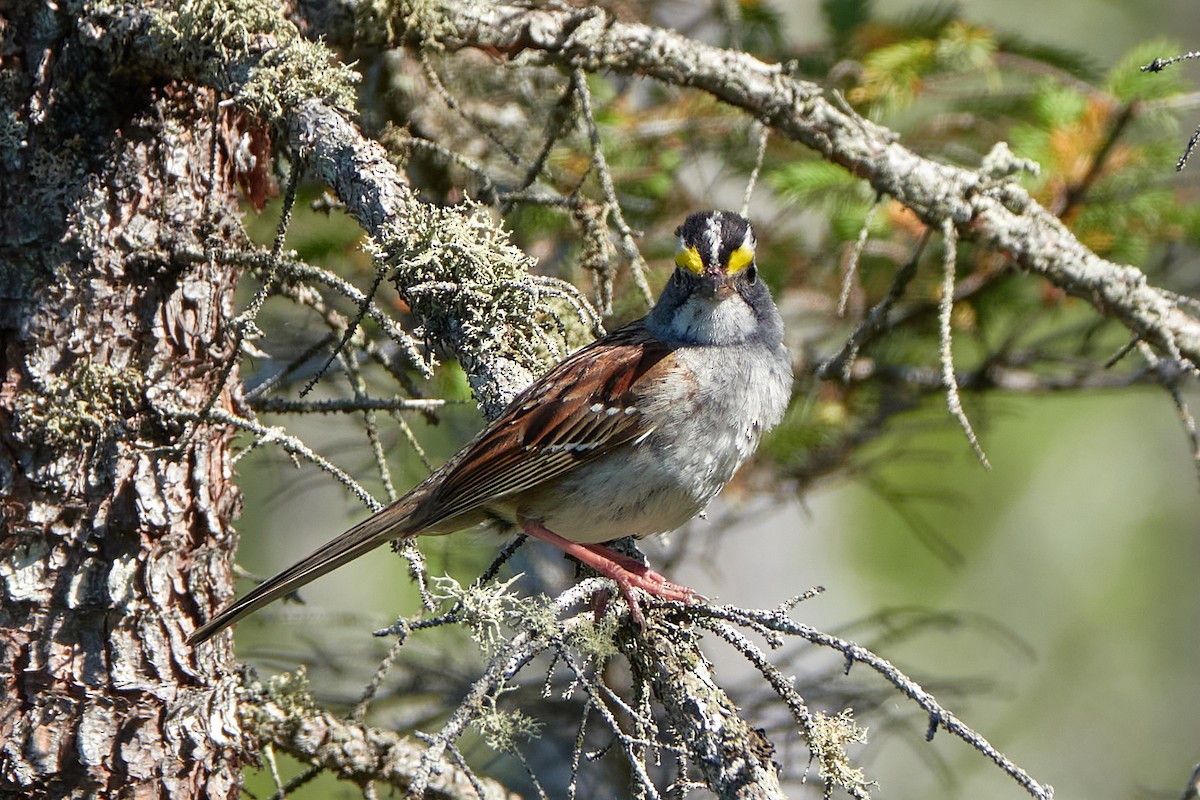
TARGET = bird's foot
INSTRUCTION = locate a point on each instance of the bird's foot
(630, 574)
(627, 573)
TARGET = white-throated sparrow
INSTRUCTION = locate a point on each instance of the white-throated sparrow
(632, 435)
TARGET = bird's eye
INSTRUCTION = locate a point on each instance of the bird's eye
(751, 274)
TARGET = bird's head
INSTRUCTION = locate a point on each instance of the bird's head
(715, 295)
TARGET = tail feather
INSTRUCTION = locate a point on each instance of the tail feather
(359, 540)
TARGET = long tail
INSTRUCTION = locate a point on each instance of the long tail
(393, 522)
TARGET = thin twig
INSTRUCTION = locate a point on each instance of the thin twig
(451, 102)
(1167, 374)
(273, 381)
(359, 712)
(1158, 64)
(243, 324)
(307, 776)
(637, 265)
(945, 310)
(630, 744)
(839, 366)
(290, 444)
(1077, 191)
(764, 134)
(370, 424)
(351, 328)
(348, 405)
(855, 254)
(294, 270)
(577, 749)
(510, 659)
(273, 765)
(488, 190)
(561, 117)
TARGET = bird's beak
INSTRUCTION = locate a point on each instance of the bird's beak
(717, 284)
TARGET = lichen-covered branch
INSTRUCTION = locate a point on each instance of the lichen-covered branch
(282, 712)
(736, 760)
(374, 192)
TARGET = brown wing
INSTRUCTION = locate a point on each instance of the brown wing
(581, 409)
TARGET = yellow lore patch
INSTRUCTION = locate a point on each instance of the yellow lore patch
(739, 259)
(689, 259)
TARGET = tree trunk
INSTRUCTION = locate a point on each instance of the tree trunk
(113, 523)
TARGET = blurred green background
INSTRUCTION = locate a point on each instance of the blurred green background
(1051, 602)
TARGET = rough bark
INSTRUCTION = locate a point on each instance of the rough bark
(114, 531)
(115, 534)
(282, 712)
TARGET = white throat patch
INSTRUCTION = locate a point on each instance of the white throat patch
(711, 321)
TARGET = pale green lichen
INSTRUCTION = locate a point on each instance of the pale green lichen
(399, 20)
(286, 690)
(84, 405)
(595, 639)
(502, 729)
(491, 612)
(249, 49)
(464, 278)
(298, 71)
(830, 735)
(282, 697)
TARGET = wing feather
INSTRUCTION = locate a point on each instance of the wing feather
(583, 408)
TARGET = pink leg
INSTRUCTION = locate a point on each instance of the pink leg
(627, 573)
